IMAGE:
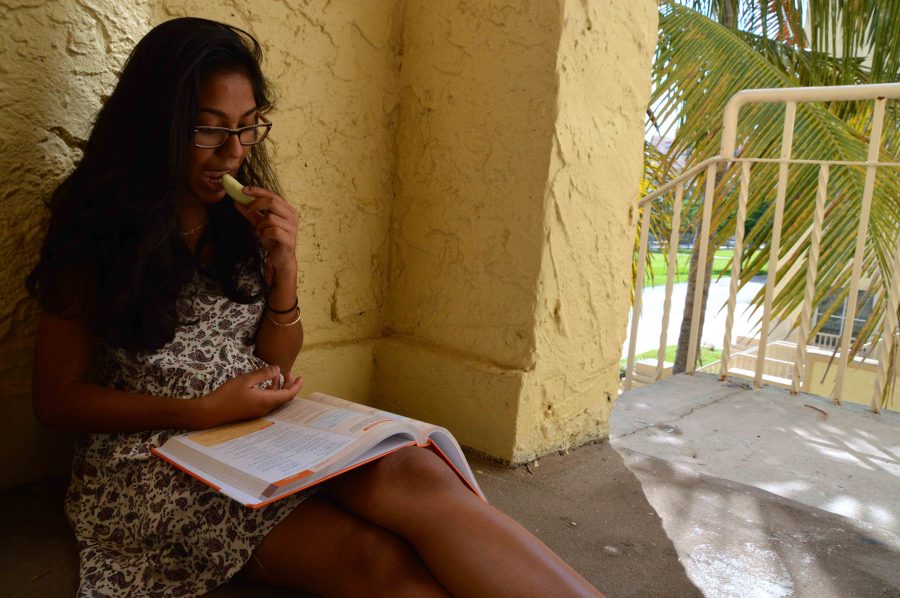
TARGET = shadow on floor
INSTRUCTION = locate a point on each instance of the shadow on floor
(591, 510)
(737, 540)
(38, 555)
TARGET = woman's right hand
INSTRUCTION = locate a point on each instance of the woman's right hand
(241, 397)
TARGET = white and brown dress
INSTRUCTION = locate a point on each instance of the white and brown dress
(145, 528)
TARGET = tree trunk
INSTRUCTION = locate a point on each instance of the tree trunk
(727, 17)
(684, 336)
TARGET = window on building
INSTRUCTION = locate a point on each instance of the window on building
(834, 327)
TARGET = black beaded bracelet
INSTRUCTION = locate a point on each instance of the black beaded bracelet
(283, 312)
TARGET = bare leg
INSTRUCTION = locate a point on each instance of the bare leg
(470, 547)
(322, 548)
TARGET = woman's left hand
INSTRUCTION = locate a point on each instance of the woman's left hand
(276, 225)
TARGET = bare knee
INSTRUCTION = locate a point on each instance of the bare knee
(416, 470)
(403, 492)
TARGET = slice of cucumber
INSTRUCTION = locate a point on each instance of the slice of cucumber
(233, 189)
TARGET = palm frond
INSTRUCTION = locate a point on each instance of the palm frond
(851, 28)
(700, 64)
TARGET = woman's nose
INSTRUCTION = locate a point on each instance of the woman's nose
(232, 147)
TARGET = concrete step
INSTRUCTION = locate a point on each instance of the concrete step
(751, 374)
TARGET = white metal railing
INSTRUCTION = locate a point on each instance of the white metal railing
(790, 97)
(826, 340)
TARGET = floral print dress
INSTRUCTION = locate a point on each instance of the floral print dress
(145, 528)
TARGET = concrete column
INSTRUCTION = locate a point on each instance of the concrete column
(583, 292)
(519, 160)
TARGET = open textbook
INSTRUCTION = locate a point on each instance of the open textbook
(301, 444)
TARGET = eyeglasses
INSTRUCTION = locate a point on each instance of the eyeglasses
(212, 137)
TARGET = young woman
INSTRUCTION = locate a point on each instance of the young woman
(167, 307)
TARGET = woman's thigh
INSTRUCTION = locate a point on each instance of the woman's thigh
(325, 549)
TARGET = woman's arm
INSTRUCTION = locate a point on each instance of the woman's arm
(64, 398)
(279, 345)
(280, 335)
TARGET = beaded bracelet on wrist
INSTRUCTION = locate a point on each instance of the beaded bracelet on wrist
(282, 312)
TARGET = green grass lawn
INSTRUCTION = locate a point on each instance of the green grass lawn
(707, 356)
(655, 274)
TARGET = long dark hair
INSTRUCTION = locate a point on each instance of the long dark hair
(112, 258)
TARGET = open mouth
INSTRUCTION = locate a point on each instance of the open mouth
(215, 176)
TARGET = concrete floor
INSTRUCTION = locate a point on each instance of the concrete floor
(764, 493)
(684, 501)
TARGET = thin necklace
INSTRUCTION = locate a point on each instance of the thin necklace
(191, 231)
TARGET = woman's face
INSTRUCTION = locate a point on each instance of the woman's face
(226, 100)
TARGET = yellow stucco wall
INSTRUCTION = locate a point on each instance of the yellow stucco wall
(56, 61)
(820, 376)
(583, 291)
(463, 173)
(520, 152)
(475, 134)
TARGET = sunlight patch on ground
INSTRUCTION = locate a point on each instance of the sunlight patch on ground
(668, 440)
(740, 576)
(810, 436)
(767, 438)
(865, 447)
(882, 516)
(788, 489)
(833, 430)
(846, 506)
(851, 507)
(892, 468)
(842, 456)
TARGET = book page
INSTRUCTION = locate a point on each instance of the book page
(332, 417)
(447, 446)
(244, 491)
(221, 434)
(275, 452)
(323, 398)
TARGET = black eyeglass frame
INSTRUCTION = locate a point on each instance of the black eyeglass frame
(266, 123)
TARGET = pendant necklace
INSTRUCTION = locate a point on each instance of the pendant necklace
(191, 231)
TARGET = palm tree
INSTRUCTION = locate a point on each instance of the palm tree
(708, 51)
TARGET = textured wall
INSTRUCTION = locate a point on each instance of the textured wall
(479, 93)
(57, 60)
(475, 134)
(593, 180)
(519, 163)
(336, 71)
